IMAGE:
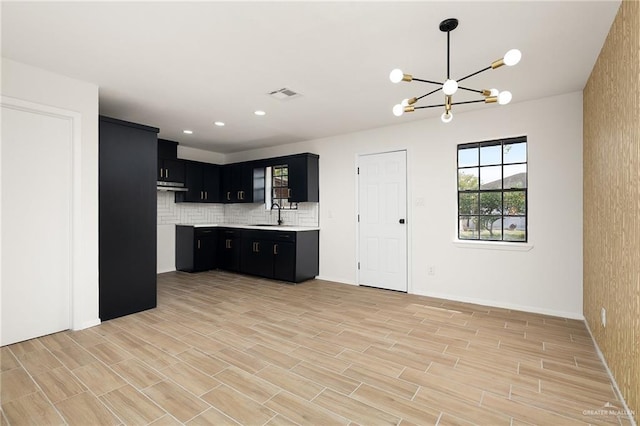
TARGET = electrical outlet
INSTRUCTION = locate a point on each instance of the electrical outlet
(431, 271)
(603, 316)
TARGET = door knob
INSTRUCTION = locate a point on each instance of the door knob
(401, 221)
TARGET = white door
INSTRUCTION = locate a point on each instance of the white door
(382, 229)
(36, 223)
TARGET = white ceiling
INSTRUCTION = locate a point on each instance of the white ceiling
(184, 65)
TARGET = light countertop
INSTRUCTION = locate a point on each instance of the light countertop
(263, 227)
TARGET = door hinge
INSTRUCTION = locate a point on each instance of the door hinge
(358, 265)
(358, 170)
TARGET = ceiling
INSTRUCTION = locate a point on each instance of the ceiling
(185, 65)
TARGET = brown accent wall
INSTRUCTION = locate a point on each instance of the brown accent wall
(612, 201)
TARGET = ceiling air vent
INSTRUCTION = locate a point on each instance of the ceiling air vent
(283, 94)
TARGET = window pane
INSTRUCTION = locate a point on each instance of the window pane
(490, 228)
(467, 203)
(490, 203)
(515, 176)
(467, 157)
(468, 228)
(515, 152)
(491, 177)
(515, 203)
(468, 179)
(515, 229)
(490, 155)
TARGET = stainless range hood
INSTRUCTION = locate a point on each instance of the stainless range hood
(170, 186)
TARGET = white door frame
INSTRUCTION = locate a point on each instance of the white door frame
(74, 165)
(409, 215)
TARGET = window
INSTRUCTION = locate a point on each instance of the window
(277, 189)
(492, 190)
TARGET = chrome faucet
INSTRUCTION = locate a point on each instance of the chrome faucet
(279, 209)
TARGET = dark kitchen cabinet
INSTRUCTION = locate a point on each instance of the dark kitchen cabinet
(196, 248)
(257, 255)
(229, 249)
(303, 178)
(127, 217)
(284, 261)
(170, 168)
(202, 181)
(301, 174)
(281, 255)
(238, 183)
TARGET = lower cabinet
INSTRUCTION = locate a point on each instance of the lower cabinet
(196, 248)
(229, 245)
(281, 255)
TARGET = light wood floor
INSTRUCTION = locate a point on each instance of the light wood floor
(226, 349)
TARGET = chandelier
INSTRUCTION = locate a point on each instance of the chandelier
(450, 86)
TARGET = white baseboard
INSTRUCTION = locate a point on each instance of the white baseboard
(613, 380)
(512, 306)
(335, 280)
(87, 324)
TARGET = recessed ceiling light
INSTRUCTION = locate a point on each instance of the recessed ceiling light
(219, 123)
(187, 132)
(259, 112)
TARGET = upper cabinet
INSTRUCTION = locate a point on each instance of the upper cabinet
(170, 169)
(202, 181)
(294, 177)
(303, 178)
(238, 183)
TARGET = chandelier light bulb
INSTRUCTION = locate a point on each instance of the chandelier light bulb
(504, 97)
(398, 110)
(396, 75)
(512, 57)
(446, 117)
(405, 102)
(450, 87)
(494, 92)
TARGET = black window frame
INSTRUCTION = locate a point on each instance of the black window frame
(502, 191)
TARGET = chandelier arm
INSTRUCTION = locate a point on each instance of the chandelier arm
(429, 106)
(427, 81)
(454, 103)
(427, 94)
(475, 73)
(470, 90)
(468, 102)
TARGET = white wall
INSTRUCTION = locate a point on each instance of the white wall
(37, 85)
(195, 154)
(546, 279)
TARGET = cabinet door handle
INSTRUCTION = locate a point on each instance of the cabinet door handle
(166, 173)
(198, 244)
(161, 170)
(275, 249)
(288, 192)
(229, 195)
(257, 247)
(206, 195)
(227, 243)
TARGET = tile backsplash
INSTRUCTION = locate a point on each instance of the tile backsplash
(170, 212)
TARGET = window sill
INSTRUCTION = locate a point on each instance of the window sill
(493, 245)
